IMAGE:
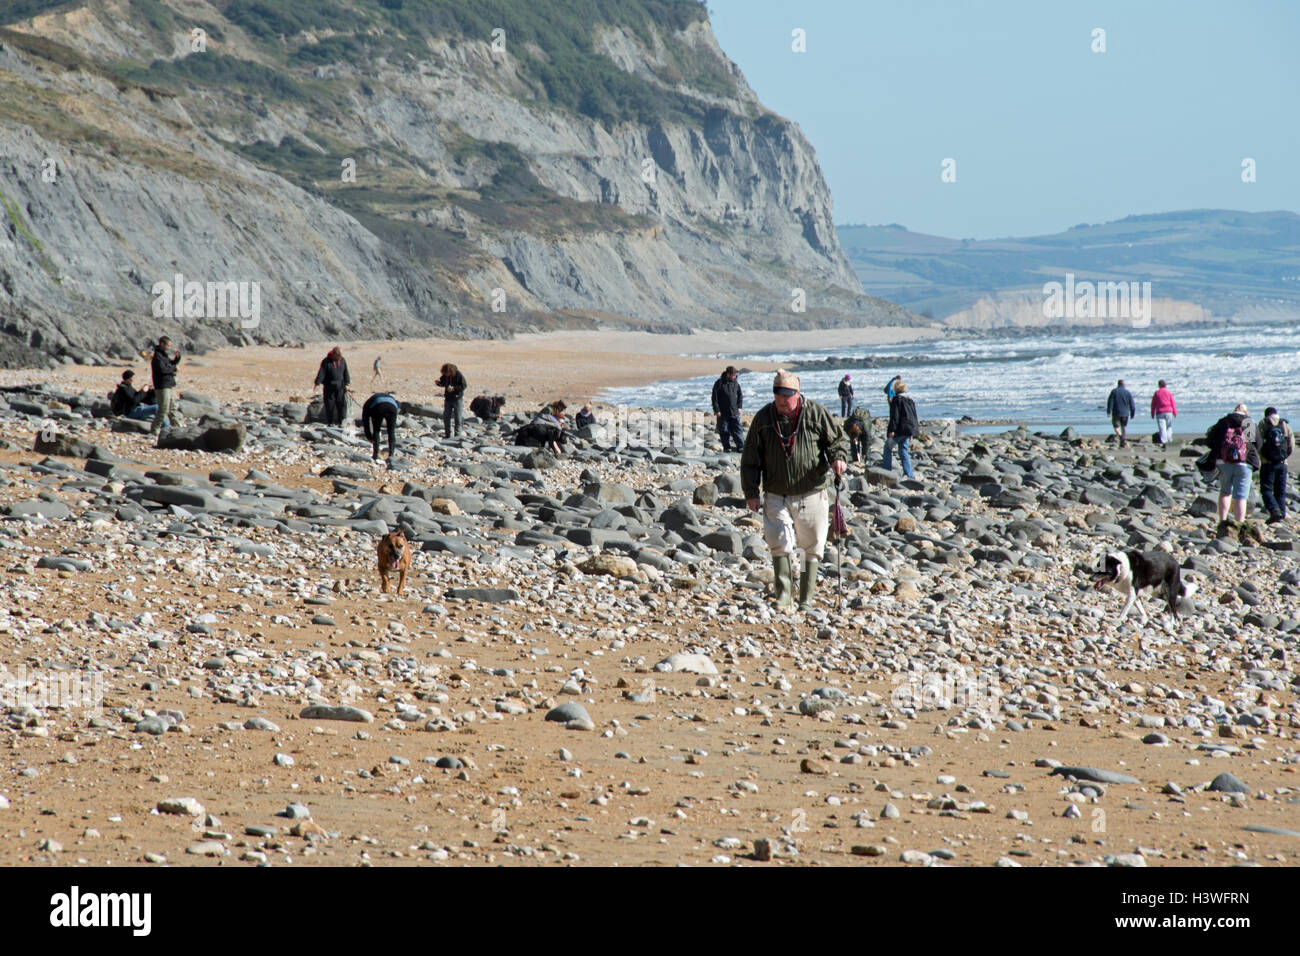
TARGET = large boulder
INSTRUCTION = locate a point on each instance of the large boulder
(59, 443)
(204, 437)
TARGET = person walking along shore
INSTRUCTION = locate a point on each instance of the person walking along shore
(793, 451)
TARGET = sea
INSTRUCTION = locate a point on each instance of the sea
(1044, 379)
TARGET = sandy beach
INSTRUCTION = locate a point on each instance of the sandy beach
(529, 369)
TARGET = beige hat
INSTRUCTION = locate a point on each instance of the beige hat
(786, 379)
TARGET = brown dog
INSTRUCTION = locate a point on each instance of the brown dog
(394, 556)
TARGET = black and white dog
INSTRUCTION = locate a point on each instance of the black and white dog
(1128, 572)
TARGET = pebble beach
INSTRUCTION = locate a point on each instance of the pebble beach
(585, 666)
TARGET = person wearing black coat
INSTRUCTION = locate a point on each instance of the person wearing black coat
(125, 397)
(163, 368)
(903, 426)
(453, 387)
(727, 399)
(380, 408)
(846, 396)
(334, 376)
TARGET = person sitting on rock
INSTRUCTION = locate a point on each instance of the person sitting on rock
(584, 418)
(125, 399)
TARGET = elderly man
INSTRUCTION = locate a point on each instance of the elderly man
(792, 450)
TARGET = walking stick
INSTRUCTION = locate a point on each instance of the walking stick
(840, 530)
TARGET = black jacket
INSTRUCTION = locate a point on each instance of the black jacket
(727, 397)
(164, 368)
(454, 387)
(334, 375)
(375, 406)
(845, 389)
(903, 422)
(124, 399)
(1235, 420)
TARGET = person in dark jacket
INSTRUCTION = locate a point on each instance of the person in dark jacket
(903, 426)
(846, 396)
(335, 378)
(858, 427)
(1232, 441)
(380, 408)
(546, 430)
(163, 368)
(1276, 443)
(1120, 407)
(453, 387)
(130, 402)
(125, 398)
(793, 449)
(584, 418)
(727, 399)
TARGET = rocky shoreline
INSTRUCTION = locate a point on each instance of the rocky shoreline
(586, 667)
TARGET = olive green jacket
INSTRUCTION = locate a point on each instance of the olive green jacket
(819, 440)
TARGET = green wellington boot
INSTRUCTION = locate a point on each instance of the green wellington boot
(783, 579)
(807, 584)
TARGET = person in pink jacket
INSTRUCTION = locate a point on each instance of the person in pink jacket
(1164, 410)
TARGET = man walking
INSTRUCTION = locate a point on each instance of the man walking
(1120, 407)
(793, 450)
(164, 385)
(727, 399)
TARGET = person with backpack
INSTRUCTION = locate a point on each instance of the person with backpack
(1164, 410)
(1276, 442)
(858, 428)
(379, 409)
(333, 375)
(727, 399)
(1234, 443)
(903, 426)
(1120, 407)
(890, 386)
(846, 396)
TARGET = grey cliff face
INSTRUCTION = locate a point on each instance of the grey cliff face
(438, 196)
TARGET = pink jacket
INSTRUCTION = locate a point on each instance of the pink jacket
(1163, 401)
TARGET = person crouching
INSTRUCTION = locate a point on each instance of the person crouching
(792, 452)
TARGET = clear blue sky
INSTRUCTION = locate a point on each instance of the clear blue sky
(1045, 132)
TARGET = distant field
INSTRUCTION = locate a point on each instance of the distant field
(1224, 260)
